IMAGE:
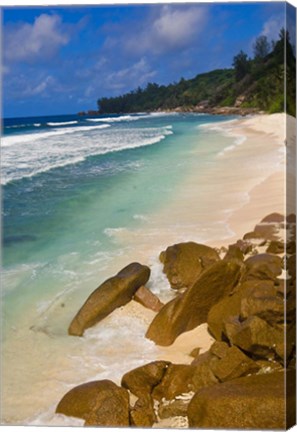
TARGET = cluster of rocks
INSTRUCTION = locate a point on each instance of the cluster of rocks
(246, 295)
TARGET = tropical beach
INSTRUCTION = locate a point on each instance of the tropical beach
(149, 216)
(53, 362)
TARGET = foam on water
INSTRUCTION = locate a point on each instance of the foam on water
(95, 218)
(49, 150)
(62, 123)
(114, 119)
(11, 140)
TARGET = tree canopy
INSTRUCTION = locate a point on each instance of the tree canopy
(256, 83)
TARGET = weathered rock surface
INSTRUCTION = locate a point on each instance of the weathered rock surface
(245, 246)
(221, 362)
(146, 298)
(221, 311)
(256, 336)
(267, 231)
(291, 247)
(273, 218)
(191, 309)
(174, 408)
(113, 293)
(182, 379)
(233, 364)
(262, 300)
(204, 376)
(99, 403)
(184, 262)
(205, 357)
(291, 266)
(263, 266)
(143, 414)
(253, 402)
(177, 380)
(275, 247)
(234, 252)
(142, 380)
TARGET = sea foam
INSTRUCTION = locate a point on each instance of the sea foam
(44, 151)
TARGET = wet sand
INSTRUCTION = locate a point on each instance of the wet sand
(245, 183)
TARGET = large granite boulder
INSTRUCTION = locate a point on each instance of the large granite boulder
(256, 337)
(184, 262)
(263, 266)
(113, 293)
(268, 228)
(190, 309)
(262, 300)
(274, 218)
(221, 311)
(233, 364)
(253, 402)
(234, 252)
(222, 363)
(99, 403)
(142, 380)
(276, 247)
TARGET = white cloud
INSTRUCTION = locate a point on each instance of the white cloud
(135, 75)
(38, 41)
(44, 85)
(173, 28)
(272, 27)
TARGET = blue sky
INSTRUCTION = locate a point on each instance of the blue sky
(60, 60)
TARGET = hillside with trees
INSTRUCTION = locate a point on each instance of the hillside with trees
(252, 83)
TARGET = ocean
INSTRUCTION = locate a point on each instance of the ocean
(81, 198)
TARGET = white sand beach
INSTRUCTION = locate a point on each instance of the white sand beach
(246, 183)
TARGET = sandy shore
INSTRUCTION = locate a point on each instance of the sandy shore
(231, 195)
(244, 183)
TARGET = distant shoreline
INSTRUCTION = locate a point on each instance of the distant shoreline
(198, 109)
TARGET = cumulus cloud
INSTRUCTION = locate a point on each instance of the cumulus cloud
(171, 29)
(135, 75)
(272, 27)
(34, 42)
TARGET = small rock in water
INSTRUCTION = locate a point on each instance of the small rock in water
(147, 299)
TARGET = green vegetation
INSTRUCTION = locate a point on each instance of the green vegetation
(251, 83)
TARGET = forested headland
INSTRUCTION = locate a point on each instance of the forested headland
(250, 84)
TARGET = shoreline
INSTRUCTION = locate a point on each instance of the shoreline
(239, 184)
(200, 109)
(239, 220)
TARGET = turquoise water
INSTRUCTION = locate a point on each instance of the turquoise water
(52, 212)
(70, 186)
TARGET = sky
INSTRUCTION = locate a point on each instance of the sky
(60, 60)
